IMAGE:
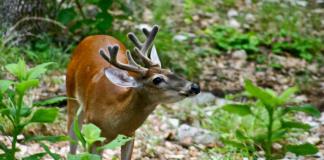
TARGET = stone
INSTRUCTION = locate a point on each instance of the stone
(239, 54)
(187, 135)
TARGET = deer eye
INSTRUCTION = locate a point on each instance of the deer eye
(157, 80)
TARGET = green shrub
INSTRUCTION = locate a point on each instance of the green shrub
(302, 46)
(20, 114)
(254, 126)
(80, 20)
(226, 38)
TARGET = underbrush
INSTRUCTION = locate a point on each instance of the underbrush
(252, 129)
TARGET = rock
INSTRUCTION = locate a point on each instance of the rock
(203, 98)
(234, 23)
(174, 122)
(249, 18)
(312, 68)
(232, 13)
(313, 140)
(239, 54)
(187, 135)
(180, 38)
(289, 156)
(301, 3)
(277, 146)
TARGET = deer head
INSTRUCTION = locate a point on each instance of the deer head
(160, 85)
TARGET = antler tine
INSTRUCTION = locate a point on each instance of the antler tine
(132, 66)
(135, 40)
(150, 39)
(142, 48)
(145, 59)
(131, 61)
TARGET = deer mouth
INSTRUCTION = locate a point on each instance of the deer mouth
(183, 93)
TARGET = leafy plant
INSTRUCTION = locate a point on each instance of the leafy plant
(98, 20)
(253, 126)
(226, 38)
(19, 113)
(88, 135)
(302, 46)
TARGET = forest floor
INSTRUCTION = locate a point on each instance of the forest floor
(174, 131)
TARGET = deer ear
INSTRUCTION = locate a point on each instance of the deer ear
(120, 78)
(155, 57)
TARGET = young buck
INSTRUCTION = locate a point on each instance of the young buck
(115, 92)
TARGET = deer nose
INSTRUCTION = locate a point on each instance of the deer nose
(195, 88)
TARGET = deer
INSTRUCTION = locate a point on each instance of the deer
(115, 92)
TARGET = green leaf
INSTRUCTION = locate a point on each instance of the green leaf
(104, 4)
(65, 16)
(104, 21)
(84, 156)
(266, 98)
(2, 130)
(37, 156)
(5, 111)
(278, 134)
(117, 142)
(294, 124)
(240, 135)
(18, 69)
(233, 143)
(52, 139)
(22, 87)
(302, 149)
(25, 111)
(287, 94)
(50, 101)
(91, 133)
(240, 109)
(4, 147)
(35, 72)
(307, 108)
(48, 151)
(44, 115)
(76, 129)
(4, 85)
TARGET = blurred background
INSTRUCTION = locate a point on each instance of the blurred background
(217, 43)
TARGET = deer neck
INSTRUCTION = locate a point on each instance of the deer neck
(140, 101)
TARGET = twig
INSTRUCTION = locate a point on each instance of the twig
(77, 2)
(14, 27)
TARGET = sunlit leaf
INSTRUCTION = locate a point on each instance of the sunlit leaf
(240, 109)
(295, 124)
(22, 87)
(307, 108)
(77, 130)
(91, 133)
(44, 115)
(84, 156)
(267, 99)
(52, 139)
(50, 101)
(302, 149)
(35, 72)
(287, 94)
(19, 69)
(117, 142)
(48, 151)
(4, 85)
(37, 156)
